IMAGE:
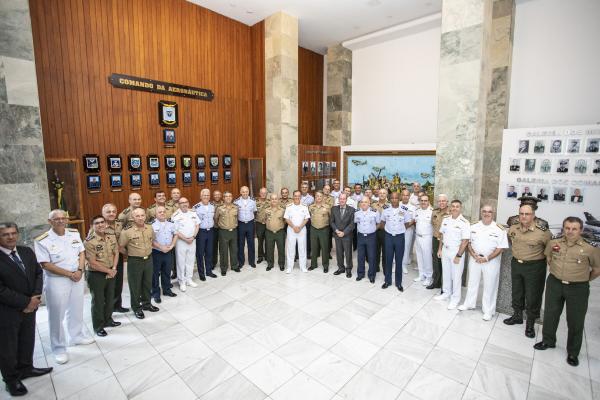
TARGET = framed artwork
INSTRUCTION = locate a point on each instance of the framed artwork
(186, 162)
(226, 161)
(200, 161)
(214, 161)
(135, 180)
(574, 146)
(135, 162)
(304, 168)
(91, 163)
(327, 167)
(93, 183)
(214, 177)
(169, 137)
(556, 146)
(392, 170)
(592, 145)
(153, 162)
(539, 147)
(154, 179)
(171, 178)
(170, 162)
(334, 167)
(227, 175)
(186, 176)
(113, 161)
(168, 113)
(116, 182)
(313, 167)
(201, 177)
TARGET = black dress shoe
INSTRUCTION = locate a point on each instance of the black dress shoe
(543, 346)
(359, 278)
(311, 268)
(150, 308)
(529, 329)
(174, 275)
(101, 332)
(16, 388)
(202, 278)
(157, 300)
(514, 320)
(339, 271)
(223, 273)
(170, 294)
(400, 288)
(348, 274)
(281, 268)
(259, 260)
(385, 286)
(325, 270)
(139, 314)
(112, 324)
(34, 372)
(121, 309)
(572, 360)
(430, 287)
(253, 265)
(236, 269)
(372, 280)
(269, 268)
(211, 275)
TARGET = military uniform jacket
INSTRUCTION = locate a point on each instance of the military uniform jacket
(379, 207)
(226, 216)
(206, 215)
(329, 200)
(320, 215)
(366, 221)
(410, 209)
(487, 238)
(436, 220)
(114, 229)
(274, 218)
(528, 244)
(572, 261)
(185, 222)
(261, 205)
(394, 219)
(246, 208)
(125, 216)
(423, 225)
(286, 202)
(102, 249)
(137, 241)
(62, 251)
(454, 231)
(151, 212)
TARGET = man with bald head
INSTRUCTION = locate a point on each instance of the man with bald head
(206, 236)
(135, 201)
(187, 224)
(173, 202)
(246, 211)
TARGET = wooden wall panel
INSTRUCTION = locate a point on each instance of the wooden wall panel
(310, 97)
(79, 43)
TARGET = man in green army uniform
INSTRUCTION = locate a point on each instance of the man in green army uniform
(437, 216)
(136, 241)
(217, 201)
(284, 199)
(573, 264)
(102, 255)
(226, 218)
(135, 201)
(531, 201)
(160, 199)
(528, 268)
(259, 222)
(173, 202)
(114, 228)
(274, 235)
(320, 215)
(381, 204)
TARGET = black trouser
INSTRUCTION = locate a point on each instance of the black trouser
(275, 239)
(354, 243)
(102, 291)
(260, 230)
(215, 249)
(343, 252)
(380, 248)
(119, 283)
(17, 341)
(161, 272)
(436, 278)
(527, 286)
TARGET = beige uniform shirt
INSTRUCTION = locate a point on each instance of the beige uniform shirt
(572, 261)
(437, 217)
(320, 215)
(274, 218)
(126, 218)
(226, 216)
(102, 249)
(261, 205)
(151, 212)
(114, 229)
(329, 200)
(286, 202)
(137, 241)
(528, 244)
(379, 207)
(173, 204)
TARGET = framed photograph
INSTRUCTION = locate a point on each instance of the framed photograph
(320, 168)
(214, 161)
(542, 193)
(545, 166)
(171, 178)
(135, 162)
(93, 183)
(563, 166)
(576, 195)
(135, 180)
(153, 161)
(169, 137)
(168, 114)
(154, 179)
(334, 167)
(116, 182)
(170, 162)
(227, 161)
(539, 146)
(511, 192)
(214, 177)
(200, 161)
(592, 145)
(530, 165)
(574, 146)
(201, 177)
(91, 163)
(186, 162)
(227, 175)
(515, 165)
(304, 168)
(596, 169)
(580, 166)
(113, 161)
(313, 167)
(556, 146)
(558, 194)
(327, 167)
(523, 146)
(327, 181)
(526, 191)
(186, 177)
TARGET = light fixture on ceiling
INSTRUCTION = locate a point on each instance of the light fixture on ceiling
(249, 12)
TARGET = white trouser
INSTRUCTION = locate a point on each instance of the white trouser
(452, 273)
(491, 276)
(424, 258)
(186, 256)
(64, 298)
(290, 248)
(409, 236)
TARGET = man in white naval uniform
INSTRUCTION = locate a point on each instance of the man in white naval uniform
(455, 232)
(61, 254)
(488, 240)
(187, 224)
(409, 235)
(423, 234)
(296, 216)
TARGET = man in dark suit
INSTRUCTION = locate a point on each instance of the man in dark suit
(342, 225)
(20, 293)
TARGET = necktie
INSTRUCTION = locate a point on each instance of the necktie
(17, 260)
(342, 211)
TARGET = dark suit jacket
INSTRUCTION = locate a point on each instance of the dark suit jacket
(345, 224)
(16, 287)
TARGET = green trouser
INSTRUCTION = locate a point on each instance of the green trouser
(139, 277)
(260, 230)
(118, 290)
(102, 291)
(272, 239)
(228, 242)
(527, 286)
(436, 278)
(576, 295)
(215, 253)
(319, 240)
(380, 247)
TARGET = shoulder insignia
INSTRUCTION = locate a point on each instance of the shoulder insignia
(541, 227)
(446, 216)
(125, 211)
(501, 226)
(542, 223)
(289, 204)
(72, 230)
(42, 236)
(127, 226)
(152, 206)
(512, 220)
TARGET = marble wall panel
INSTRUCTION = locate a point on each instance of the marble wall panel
(16, 39)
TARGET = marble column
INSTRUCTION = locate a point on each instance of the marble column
(339, 97)
(23, 182)
(281, 96)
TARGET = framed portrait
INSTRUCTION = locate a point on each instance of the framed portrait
(320, 168)
(515, 165)
(171, 178)
(153, 161)
(113, 161)
(530, 165)
(556, 146)
(135, 162)
(526, 191)
(542, 193)
(596, 167)
(334, 167)
(227, 161)
(559, 193)
(523, 146)
(545, 166)
(214, 161)
(313, 167)
(168, 114)
(511, 192)
(580, 166)
(304, 168)
(169, 137)
(539, 146)
(327, 181)
(154, 179)
(186, 177)
(170, 162)
(327, 167)
(563, 166)
(576, 196)
(214, 177)
(592, 145)
(91, 163)
(135, 180)
(116, 182)
(186, 162)
(93, 183)
(227, 175)
(201, 177)
(200, 161)
(574, 146)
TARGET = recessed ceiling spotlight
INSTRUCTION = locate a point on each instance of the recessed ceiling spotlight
(249, 12)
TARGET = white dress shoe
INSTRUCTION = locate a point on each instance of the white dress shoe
(304, 270)
(442, 296)
(182, 287)
(192, 284)
(417, 279)
(288, 270)
(61, 358)
(487, 317)
(404, 269)
(451, 306)
(427, 282)
(463, 308)
(84, 341)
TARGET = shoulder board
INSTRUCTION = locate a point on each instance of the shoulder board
(152, 206)
(196, 205)
(125, 211)
(72, 230)
(463, 219)
(289, 204)
(501, 226)
(238, 198)
(446, 216)
(541, 227)
(91, 235)
(373, 209)
(542, 223)
(127, 226)
(42, 236)
(436, 209)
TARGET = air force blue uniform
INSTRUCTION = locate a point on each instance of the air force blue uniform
(366, 225)
(394, 219)
(246, 210)
(205, 238)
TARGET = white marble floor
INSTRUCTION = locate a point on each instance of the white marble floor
(268, 335)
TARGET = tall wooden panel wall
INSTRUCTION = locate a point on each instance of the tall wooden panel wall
(310, 97)
(79, 43)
